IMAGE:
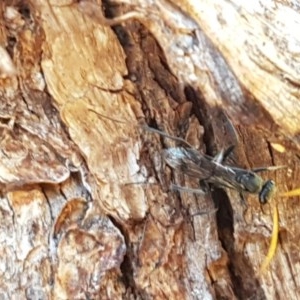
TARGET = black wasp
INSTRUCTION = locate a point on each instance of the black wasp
(211, 170)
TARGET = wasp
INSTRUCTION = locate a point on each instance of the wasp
(212, 170)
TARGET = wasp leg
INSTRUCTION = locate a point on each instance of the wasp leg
(187, 189)
(219, 157)
(205, 212)
(161, 133)
(228, 151)
(222, 155)
(243, 200)
(204, 185)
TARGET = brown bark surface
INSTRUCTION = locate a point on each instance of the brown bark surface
(86, 206)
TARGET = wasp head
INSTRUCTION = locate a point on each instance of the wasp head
(267, 191)
(252, 183)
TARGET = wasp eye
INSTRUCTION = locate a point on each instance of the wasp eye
(267, 191)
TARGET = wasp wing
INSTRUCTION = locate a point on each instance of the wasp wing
(193, 163)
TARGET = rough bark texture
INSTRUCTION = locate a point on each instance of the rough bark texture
(86, 209)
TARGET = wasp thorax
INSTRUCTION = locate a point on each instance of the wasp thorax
(173, 157)
(251, 182)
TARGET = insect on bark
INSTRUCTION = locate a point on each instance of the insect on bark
(212, 169)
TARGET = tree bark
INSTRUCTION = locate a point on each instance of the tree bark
(87, 209)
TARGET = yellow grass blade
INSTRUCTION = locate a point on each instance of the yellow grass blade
(291, 193)
(275, 231)
(274, 241)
